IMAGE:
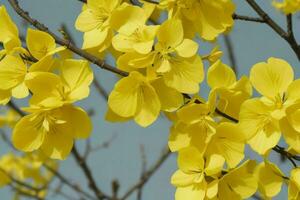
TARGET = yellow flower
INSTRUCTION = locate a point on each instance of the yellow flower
(196, 178)
(262, 129)
(239, 183)
(288, 6)
(214, 55)
(41, 44)
(52, 131)
(51, 90)
(274, 80)
(133, 34)
(173, 57)
(12, 76)
(207, 18)
(229, 92)
(9, 34)
(228, 142)
(94, 21)
(133, 96)
(10, 118)
(194, 126)
(294, 185)
(290, 127)
(270, 179)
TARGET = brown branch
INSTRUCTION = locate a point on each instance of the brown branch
(144, 168)
(148, 174)
(65, 181)
(100, 89)
(88, 174)
(247, 18)
(230, 51)
(13, 106)
(287, 36)
(93, 59)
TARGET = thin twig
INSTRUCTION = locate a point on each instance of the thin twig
(144, 168)
(64, 180)
(88, 174)
(148, 174)
(247, 18)
(93, 59)
(14, 106)
(100, 89)
(287, 36)
(230, 51)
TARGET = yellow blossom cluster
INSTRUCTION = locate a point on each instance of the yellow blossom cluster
(157, 45)
(19, 169)
(54, 80)
(287, 6)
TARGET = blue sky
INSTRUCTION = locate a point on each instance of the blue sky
(122, 160)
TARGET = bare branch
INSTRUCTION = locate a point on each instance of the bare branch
(64, 180)
(88, 174)
(288, 36)
(93, 59)
(149, 173)
(230, 51)
(247, 18)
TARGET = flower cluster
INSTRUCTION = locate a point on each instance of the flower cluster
(157, 45)
(27, 167)
(54, 80)
(288, 6)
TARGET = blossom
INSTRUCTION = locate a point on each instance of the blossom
(287, 6)
(207, 18)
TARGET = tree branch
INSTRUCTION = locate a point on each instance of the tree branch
(247, 18)
(148, 174)
(288, 36)
(88, 174)
(93, 59)
(230, 51)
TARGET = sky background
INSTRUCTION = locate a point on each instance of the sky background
(252, 43)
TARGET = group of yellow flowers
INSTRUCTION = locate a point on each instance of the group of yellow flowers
(165, 71)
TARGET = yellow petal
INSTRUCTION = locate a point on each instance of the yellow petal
(178, 138)
(76, 76)
(265, 139)
(58, 144)
(95, 38)
(12, 72)
(272, 78)
(291, 136)
(229, 141)
(4, 96)
(187, 48)
(39, 43)
(127, 18)
(148, 106)
(8, 30)
(239, 183)
(270, 179)
(78, 120)
(166, 32)
(185, 76)
(26, 137)
(254, 116)
(21, 91)
(169, 98)
(214, 164)
(123, 99)
(190, 160)
(193, 192)
(220, 75)
(181, 179)
(87, 21)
